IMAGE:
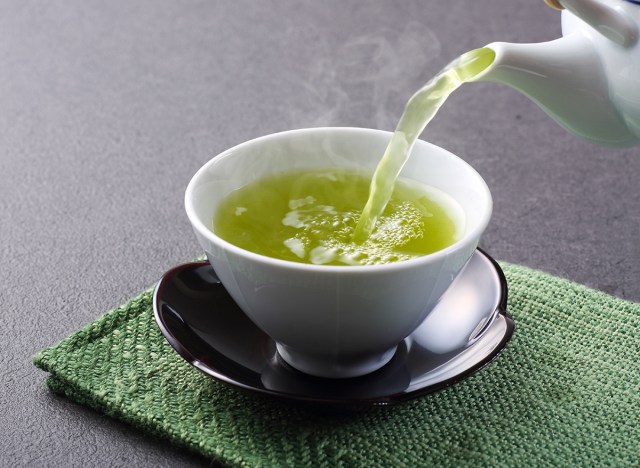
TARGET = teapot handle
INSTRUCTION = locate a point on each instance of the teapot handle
(554, 4)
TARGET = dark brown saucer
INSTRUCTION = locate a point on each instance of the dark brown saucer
(467, 330)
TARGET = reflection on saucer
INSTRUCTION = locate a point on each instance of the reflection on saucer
(463, 311)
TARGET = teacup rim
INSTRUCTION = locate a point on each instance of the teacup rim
(203, 230)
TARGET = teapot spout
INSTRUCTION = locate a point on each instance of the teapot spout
(565, 77)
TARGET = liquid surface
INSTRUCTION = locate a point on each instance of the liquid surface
(311, 216)
(419, 111)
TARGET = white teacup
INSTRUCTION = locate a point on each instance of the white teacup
(335, 321)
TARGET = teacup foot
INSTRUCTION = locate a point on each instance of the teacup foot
(334, 367)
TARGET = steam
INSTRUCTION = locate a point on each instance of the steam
(366, 81)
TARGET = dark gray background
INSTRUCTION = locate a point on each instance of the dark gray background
(108, 108)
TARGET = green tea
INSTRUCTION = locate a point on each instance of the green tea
(311, 216)
(419, 111)
(318, 217)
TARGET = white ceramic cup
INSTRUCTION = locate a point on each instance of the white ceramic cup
(335, 321)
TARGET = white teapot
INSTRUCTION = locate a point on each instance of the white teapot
(588, 80)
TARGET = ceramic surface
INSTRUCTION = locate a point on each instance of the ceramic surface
(588, 80)
(335, 321)
(466, 330)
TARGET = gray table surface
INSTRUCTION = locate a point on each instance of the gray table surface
(107, 108)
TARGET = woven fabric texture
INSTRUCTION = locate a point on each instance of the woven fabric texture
(565, 392)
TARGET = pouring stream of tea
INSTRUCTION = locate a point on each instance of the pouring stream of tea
(419, 111)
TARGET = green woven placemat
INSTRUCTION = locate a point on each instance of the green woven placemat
(565, 392)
